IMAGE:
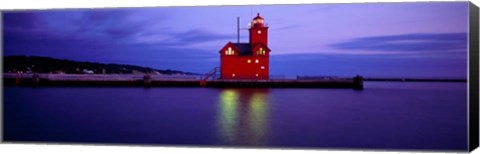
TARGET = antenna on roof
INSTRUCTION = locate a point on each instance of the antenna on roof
(238, 29)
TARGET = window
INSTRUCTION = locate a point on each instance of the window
(256, 75)
(229, 51)
(233, 75)
(256, 60)
(249, 61)
(259, 32)
(262, 67)
(260, 51)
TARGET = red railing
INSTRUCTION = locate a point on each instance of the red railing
(209, 75)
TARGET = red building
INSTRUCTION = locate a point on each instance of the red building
(247, 60)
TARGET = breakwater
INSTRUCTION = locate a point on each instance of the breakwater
(171, 81)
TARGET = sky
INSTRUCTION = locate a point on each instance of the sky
(420, 39)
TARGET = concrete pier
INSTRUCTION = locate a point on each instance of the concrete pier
(155, 81)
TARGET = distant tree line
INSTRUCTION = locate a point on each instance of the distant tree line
(30, 64)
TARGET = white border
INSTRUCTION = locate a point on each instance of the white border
(52, 148)
(48, 4)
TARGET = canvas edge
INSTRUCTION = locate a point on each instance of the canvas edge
(473, 105)
(2, 124)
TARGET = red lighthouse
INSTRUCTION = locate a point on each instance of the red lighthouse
(247, 60)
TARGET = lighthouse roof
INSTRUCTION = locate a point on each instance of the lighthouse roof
(244, 48)
(258, 17)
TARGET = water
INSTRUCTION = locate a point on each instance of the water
(386, 115)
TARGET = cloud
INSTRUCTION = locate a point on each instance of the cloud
(180, 38)
(103, 28)
(285, 27)
(124, 27)
(409, 43)
(21, 20)
(198, 35)
(109, 24)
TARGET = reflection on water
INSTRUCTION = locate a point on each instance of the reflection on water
(385, 115)
(243, 115)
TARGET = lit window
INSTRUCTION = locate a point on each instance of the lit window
(262, 67)
(256, 60)
(256, 75)
(249, 61)
(261, 51)
(233, 75)
(229, 51)
(259, 32)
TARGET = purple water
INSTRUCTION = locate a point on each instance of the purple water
(386, 115)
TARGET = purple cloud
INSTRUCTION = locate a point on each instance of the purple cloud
(436, 43)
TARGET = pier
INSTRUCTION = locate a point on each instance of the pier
(13, 79)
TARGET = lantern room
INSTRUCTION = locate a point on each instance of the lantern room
(258, 21)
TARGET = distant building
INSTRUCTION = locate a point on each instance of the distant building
(247, 60)
(85, 71)
(156, 73)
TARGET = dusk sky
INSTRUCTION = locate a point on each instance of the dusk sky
(373, 39)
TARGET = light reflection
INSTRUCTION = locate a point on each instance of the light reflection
(228, 113)
(243, 116)
(257, 117)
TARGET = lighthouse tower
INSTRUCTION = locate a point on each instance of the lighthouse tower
(247, 60)
(258, 32)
